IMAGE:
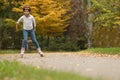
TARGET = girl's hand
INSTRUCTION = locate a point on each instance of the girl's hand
(34, 29)
(16, 27)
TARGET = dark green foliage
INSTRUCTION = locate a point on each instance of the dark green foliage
(62, 43)
(10, 39)
(82, 43)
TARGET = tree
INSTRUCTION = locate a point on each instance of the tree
(49, 16)
(77, 26)
(6, 13)
(106, 23)
(89, 25)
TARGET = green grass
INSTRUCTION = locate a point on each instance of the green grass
(8, 51)
(105, 50)
(14, 51)
(16, 71)
(114, 50)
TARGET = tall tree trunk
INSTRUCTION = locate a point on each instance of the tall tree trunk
(1, 29)
(89, 26)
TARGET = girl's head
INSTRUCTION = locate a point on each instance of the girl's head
(26, 10)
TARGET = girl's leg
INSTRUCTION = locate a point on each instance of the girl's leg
(24, 42)
(33, 37)
(32, 34)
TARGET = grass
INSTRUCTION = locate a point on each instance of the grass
(114, 50)
(8, 51)
(16, 71)
(105, 50)
(14, 51)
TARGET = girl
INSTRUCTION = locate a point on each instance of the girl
(29, 25)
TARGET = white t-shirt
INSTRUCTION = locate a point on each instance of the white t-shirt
(28, 22)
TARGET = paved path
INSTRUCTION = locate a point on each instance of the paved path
(105, 67)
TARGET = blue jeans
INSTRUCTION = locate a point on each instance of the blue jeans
(33, 37)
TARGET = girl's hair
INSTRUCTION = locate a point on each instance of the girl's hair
(26, 8)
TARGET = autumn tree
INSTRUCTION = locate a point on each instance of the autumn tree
(49, 16)
(106, 22)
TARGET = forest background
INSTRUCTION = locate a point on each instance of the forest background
(67, 25)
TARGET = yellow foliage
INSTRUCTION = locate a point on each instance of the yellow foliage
(48, 15)
(17, 10)
(106, 18)
(10, 22)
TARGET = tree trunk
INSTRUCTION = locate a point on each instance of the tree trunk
(90, 26)
(48, 42)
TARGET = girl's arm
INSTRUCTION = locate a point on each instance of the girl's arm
(34, 23)
(19, 20)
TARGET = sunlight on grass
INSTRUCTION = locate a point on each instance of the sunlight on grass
(105, 50)
(15, 51)
(8, 51)
(16, 71)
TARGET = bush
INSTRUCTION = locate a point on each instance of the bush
(62, 44)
